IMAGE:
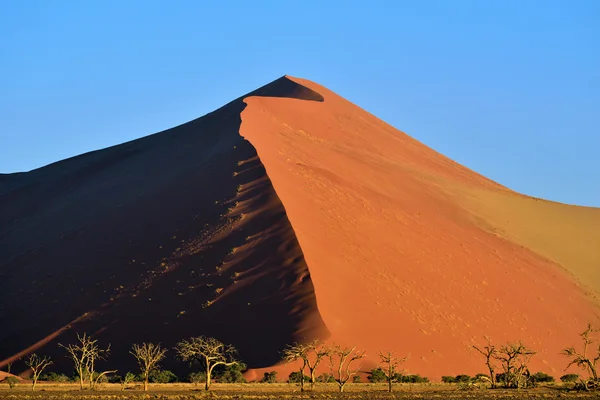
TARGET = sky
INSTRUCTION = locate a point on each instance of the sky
(511, 89)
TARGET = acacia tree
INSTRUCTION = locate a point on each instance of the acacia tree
(514, 358)
(389, 366)
(148, 355)
(37, 365)
(342, 359)
(583, 359)
(311, 355)
(293, 353)
(85, 354)
(207, 351)
(490, 353)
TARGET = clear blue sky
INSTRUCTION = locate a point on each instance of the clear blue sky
(510, 89)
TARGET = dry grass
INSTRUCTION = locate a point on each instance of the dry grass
(280, 391)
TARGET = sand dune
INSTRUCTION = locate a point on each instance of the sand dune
(290, 214)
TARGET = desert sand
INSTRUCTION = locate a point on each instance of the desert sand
(287, 215)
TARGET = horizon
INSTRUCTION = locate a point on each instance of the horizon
(515, 100)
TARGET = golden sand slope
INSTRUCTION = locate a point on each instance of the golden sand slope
(411, 251)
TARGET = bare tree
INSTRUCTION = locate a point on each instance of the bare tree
(490, 353)
(311, 354)
(85, 354)
(583, 359)
(148, 355)
(514, 358)
(293, 353)
(341, 358)
(389, 366)
(37, 365)
(209, 352)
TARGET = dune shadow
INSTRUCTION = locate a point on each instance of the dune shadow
(174, 235)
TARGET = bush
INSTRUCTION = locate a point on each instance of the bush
(356, 379)
(462, 378)
(231, 373)
(269, 377)
(295, 377)
(448, 379)
(54, 377)
(325, 378)
(162, 377)
(197, 377)
(377, 375)
(481, 378)
(542, 377)
(416, 378)
(569, 378)
(11, 381)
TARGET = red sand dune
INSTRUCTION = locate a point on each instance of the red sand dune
(287, 215)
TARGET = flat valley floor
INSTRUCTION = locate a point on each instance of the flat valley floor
(253, 391)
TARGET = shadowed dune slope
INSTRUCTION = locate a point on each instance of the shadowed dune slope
(170, 236)
(411, 251)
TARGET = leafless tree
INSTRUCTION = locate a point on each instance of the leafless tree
(209, 352)
(584, 359)
(389, 366)
(85, 354)
(37, 365)
(514, 358)
(296, 352)
(148, 355)
(311, 355)
(340, 361)
(490, 353)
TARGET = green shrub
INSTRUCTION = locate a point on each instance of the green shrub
(356, 379)
(54, 377)
(162, 377)
(448, 379)
(197, 377)
(377, 375)
(325, 378)
(295, 377)
(269, 377)
(569, 378)
(481, 378)
(230, 373)
(415, 378)
(11, 381)
(542, 377)
(462, 378)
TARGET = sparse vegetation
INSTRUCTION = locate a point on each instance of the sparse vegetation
(389, 366)
(148, 356)
(208, 352)
(269, 377)
(587, 358)
(84, 355)
(11, 381)
(341, 360)
(37, 365)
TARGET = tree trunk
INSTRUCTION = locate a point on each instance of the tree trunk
(312, 379)
(390, 385)
(146, 382)
(342, 387)
(33, 385)
(207, 384)
(302, 380)
(80, 380)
